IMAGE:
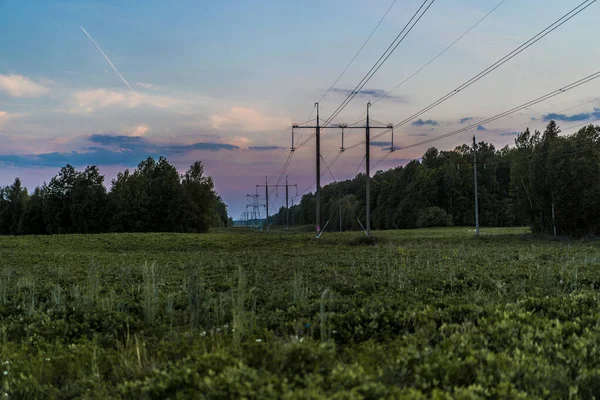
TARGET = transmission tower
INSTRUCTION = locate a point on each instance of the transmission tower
(254, 204)
(367, 127)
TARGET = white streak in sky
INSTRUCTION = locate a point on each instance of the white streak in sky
(111, 64)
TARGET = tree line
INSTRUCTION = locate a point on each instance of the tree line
(152, 198)
(544, 181)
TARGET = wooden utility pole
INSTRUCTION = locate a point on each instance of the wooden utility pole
(368, 170)
(318, 128)
(266, 186)
(475, 184)
(287, 209)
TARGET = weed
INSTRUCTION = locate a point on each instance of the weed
(150, 293)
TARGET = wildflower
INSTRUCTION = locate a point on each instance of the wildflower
(258, 340)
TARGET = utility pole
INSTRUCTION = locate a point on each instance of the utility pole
(475, 181)
(318, 159)
(318, 128)
(287, 208)
(553, 218)
(266, 186)
(340, 212)
(287, 185)
(368, 170)
(293, 213)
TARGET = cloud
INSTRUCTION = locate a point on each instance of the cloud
(262, 148)
(466, 119)
(418, 134)
(186, 148)
(421, 122)
(93, 99)
(140, 144)
(533, 118)
(4, 116)
(21, 86)
(381, 144)
(510, 133)
(249, 120)
(572, 118)
(371, 93)
(481, 128)
(118, 141)
(111, 150)
(147, 85)
(140, 130)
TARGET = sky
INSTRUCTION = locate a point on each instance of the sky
(110, 83)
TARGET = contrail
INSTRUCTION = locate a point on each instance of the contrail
(111, 64)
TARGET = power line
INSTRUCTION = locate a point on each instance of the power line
(546, 31)
(356, 55)
(343, 194)
(442, 52)
(513, 110)
(328, 169)
(383, 58)
(503, 114)
(561, 111)
(511, 160)
(382, 159)
(430, 191)
(286, 164)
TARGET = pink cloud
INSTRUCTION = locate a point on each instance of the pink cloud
(4, 116)
(93, 99)
(140, 130)
(249, 120)
(21, 86)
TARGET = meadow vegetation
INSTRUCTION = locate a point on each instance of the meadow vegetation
(430, 313)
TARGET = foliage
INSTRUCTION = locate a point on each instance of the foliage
(543, 174)
(429, 313)
(432, 217)
(153, 198)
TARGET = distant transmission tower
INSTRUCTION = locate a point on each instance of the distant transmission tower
(255, 221)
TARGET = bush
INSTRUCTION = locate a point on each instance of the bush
(433, 216)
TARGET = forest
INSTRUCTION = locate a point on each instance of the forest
(545, 180)
(152, 198)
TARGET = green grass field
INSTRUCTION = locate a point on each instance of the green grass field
(431, 313)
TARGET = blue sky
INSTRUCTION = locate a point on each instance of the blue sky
(222, 82)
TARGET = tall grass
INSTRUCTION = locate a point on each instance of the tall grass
(243, 308)
(195, 293)
(324, 316)
(299, 290)
(27, 292)
(92, 287)
(151, 299)
(57, 297)
(4, 290)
